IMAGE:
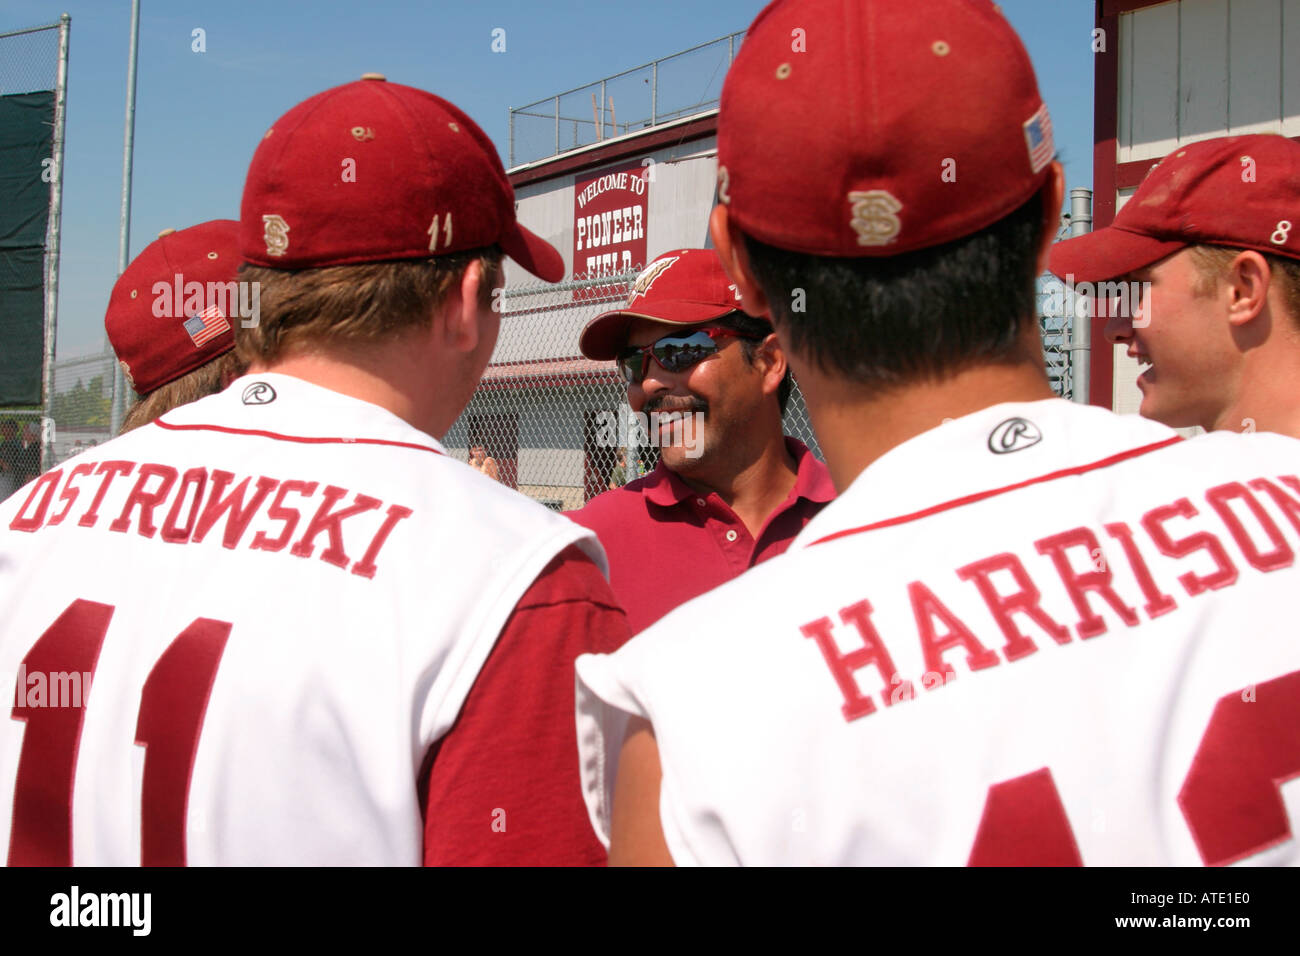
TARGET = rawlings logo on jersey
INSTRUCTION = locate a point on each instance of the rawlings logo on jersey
(648, 276)
(259, 393)
(1015, 434)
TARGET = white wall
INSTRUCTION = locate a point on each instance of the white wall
(681, 195)
(1193, 69)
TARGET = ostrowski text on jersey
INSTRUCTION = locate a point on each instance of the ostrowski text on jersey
(201, 499)
(959, 683)
(321, 625)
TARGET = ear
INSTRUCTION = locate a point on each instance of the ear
(1248, 281)
(457, 323)
(769, 357)
(1053, 193)
(730, 246)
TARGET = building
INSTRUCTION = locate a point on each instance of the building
(610, 195)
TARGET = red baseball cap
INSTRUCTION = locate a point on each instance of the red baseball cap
(879, 127)
(374, 171)
(161, 324)
(1239, 191)
(682, 287)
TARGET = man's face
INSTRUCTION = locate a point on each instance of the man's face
(1182, 337)
(724, 388)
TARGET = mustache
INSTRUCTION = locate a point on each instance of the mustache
(669, 404)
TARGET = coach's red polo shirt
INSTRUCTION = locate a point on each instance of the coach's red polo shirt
(668, 543)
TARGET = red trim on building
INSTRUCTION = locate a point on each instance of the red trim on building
(1113, 8)
(994, 492)
(548, 373)
(1105, 133)
(636, 145)
(548, 380)
(1130, 175)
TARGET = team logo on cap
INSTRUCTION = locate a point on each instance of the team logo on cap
(724, 185)
(875, 217)
(647, 277)
(275, 231)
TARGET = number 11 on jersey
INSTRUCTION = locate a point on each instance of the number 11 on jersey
(173, 702)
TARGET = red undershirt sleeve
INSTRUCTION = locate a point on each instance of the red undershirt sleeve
(502, 787)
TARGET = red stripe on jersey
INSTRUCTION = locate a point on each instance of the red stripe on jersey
(298, 438)
(994, 492)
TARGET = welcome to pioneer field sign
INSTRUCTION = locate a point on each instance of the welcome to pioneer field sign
(610, 214)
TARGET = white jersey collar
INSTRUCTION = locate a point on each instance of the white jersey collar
(994, 448)
(291, 407)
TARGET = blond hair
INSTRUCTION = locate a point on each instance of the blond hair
(207, 379)
(1212, 262)
(353, 304)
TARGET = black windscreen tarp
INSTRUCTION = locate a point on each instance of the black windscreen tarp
(26, 137)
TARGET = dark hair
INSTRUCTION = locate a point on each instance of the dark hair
(883, 322)
(760, 329)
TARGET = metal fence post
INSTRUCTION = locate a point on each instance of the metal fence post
(1080, 330)
(53, 231)
(557, 124)
(118, 404)
(654, 92)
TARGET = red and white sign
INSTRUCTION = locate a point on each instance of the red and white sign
(610, 216)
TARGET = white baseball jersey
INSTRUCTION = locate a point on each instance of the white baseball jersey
(231, 636)
(1040, 633)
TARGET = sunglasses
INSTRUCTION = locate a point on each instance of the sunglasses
(676, 352)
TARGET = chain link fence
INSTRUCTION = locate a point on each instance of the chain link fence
(29, 60)
(29, 64)
(555, 422)
(1056, 306)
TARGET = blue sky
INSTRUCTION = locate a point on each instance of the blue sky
(200, 115)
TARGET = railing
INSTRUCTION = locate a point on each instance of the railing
(653, 94)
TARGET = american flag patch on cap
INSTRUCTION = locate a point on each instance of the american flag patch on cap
(206, 326)
(1038, 137)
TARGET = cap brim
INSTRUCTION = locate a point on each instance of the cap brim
(533, 253)
(1108, 254)
(606, 334)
